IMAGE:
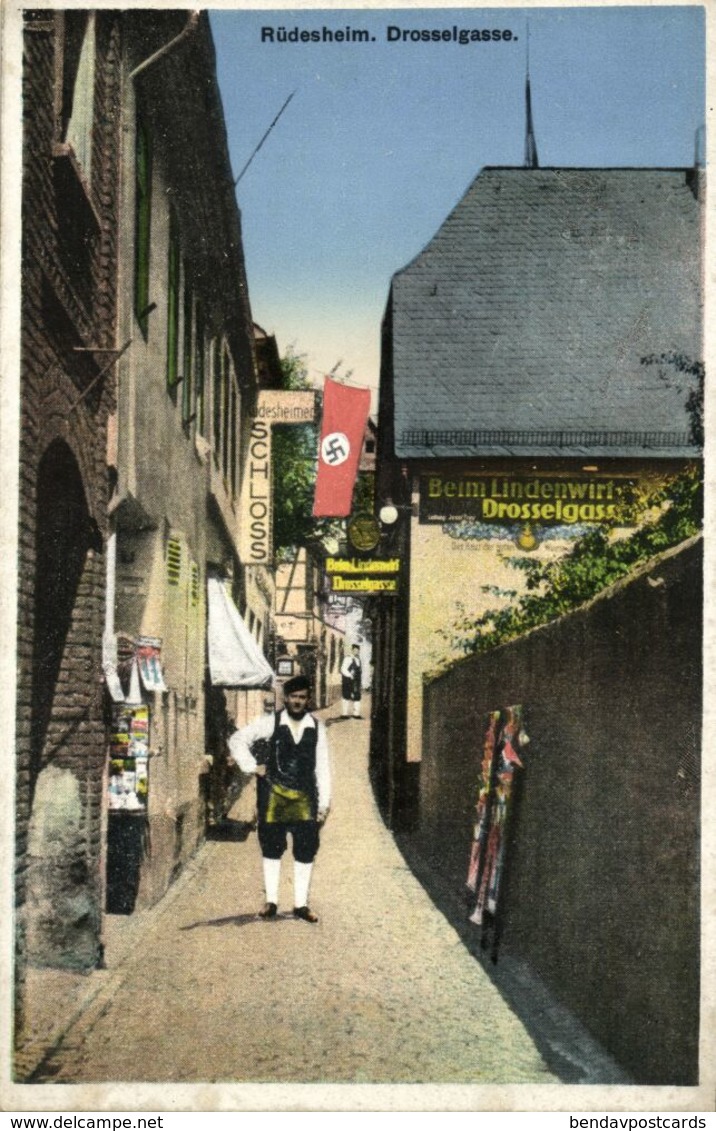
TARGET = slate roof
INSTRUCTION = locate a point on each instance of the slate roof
(520, 328)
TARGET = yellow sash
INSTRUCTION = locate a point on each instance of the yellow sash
(287, 806)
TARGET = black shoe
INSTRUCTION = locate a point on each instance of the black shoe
(269, 911)
(305, 913)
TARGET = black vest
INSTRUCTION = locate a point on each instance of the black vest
(293, 764)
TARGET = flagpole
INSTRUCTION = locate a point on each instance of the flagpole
(347, 380)
(263, 139)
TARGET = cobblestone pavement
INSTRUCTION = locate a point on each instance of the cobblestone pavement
(381, 990)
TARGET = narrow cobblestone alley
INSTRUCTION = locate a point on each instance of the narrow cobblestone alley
(380, 990)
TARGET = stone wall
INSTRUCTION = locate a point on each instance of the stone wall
(67, 390)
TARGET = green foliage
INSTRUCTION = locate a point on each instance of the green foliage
(558, 587)
(294, 455)
(364, 494)
(294, 374)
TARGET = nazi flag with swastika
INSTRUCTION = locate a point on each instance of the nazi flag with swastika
(345, 415)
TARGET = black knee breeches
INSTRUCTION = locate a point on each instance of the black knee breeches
(273, 840)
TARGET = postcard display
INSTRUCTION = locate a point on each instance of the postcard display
(128, 788)
(129, 758)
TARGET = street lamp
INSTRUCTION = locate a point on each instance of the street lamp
(388, 514)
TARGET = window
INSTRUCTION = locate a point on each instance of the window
(216, 398)
(199, 347)
(78, 227)
(225, 405)
(232, 431)
(142, 224)
(74, 30)
(188, 375)
(173, 289)
(226, 378)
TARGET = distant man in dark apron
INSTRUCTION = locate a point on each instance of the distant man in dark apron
(288, 751)
(351, 687)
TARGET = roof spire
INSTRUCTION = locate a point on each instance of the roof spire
(531, 159)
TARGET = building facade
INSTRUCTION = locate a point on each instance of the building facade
(310, 641)
(541, 349)
(70, 212)
(139, 390)
(186, 388)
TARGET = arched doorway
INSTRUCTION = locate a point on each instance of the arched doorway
(62, 910)
(61, 544)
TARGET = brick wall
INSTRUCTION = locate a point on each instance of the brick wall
(65, 401)
(602, 898)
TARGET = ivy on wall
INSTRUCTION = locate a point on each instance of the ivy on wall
(596, 561)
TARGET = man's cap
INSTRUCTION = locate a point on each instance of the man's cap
(298, 683)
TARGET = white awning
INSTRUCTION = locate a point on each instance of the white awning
(235, 659)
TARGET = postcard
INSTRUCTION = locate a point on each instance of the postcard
(356, 663)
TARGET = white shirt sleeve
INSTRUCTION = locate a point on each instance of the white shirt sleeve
(347, 667)
(323, 769)
(241, 741)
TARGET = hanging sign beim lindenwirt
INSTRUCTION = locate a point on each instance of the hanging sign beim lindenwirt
(535, 499)
(359, 575)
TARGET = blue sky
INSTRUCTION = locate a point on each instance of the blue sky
(382, 139)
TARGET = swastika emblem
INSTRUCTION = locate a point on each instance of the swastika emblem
(335, 449)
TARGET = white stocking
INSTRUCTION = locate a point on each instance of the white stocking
(301, 882)
(272, 875)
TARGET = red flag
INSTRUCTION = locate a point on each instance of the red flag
(345, 415)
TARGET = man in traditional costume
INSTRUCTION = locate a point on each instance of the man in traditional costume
(288, 751)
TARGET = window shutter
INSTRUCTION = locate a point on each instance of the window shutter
(173, 562)
(188, 360)
(195, 584)
(200, 345)
(226, 403)
(173, 285)
(233, 425)
(216, 398)
(142, 225)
